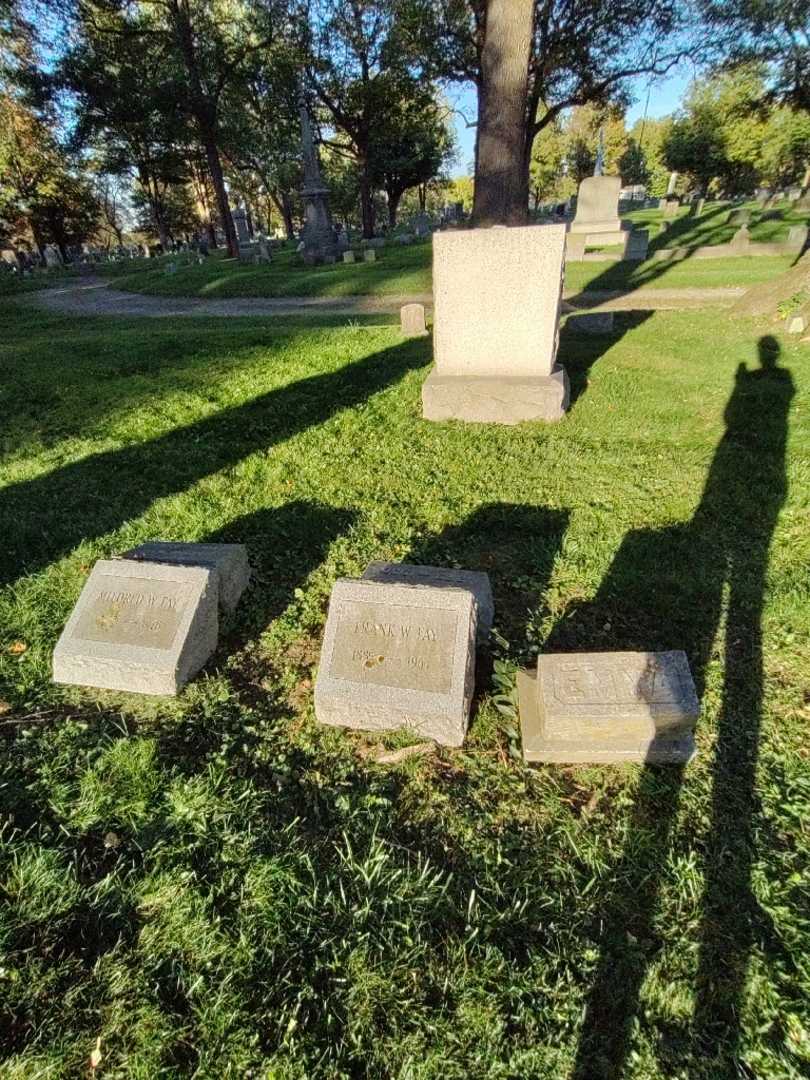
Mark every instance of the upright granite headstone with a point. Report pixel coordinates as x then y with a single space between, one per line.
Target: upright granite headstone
636 245
497 296
607 707
739 217
797 237
598 208
348 257
142 627
229 560
575 244
442 577
398 656
412 320
240 223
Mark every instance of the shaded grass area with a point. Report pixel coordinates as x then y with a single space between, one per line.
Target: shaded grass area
406 271
215 885
712 226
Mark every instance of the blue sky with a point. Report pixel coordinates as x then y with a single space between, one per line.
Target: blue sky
665 97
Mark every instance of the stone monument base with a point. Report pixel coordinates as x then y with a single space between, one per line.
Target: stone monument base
596 228
495 399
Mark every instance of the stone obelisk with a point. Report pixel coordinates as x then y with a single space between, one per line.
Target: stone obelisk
318 235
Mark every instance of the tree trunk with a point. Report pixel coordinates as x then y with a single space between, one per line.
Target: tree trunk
394 198
283 204
366 203
502 176
218 182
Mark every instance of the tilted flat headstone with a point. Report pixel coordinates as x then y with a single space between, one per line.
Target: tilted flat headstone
398 656
497 295
412 320
606 707
442 577
137 626
229 560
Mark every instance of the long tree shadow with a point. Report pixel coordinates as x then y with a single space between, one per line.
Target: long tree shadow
45 518
665 589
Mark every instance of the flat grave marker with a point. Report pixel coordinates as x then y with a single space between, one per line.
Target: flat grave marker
139 626
398 656
607 707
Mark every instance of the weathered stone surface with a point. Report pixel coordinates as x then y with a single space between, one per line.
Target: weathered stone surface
497 296
593 322
636 244
739 217
143 627
797 324
598 205
398 656
370 255
741 238
412 320
575 244
441 577
601 707
797 236
490 400
671 207
348 256
229 560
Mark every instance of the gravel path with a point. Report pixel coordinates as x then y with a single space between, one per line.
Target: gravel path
93 297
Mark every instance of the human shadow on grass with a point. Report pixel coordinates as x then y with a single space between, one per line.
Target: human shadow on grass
665 590
45 518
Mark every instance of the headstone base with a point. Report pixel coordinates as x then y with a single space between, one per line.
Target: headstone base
596 228
496 399
677 748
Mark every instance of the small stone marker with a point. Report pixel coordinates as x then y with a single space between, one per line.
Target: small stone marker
348 256
441 577
575 244
229 560
412 320
598 206
606 707
636 244
671 206
741 239
370 255
138 626
398 656
797 237
797 325
739 217
593 322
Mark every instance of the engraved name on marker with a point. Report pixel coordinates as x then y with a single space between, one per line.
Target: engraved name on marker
130 611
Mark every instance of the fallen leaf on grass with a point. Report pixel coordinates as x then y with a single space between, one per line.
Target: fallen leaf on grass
17 648
395 756
4 707
95 1055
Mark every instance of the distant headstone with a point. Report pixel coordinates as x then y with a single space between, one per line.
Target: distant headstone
592 322
441 577
265 253
598 206
398 656
741 238
412 320
636 245
137 626
575 244
329 260
797 236
404 239
740 216
229 560
348 256
608 707
797 324
497 296
370 255
241 225
421 225
671 205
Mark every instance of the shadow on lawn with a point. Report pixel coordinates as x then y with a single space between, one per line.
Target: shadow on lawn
665 589
45 518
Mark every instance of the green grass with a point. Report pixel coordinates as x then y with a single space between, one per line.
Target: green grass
406 271
215 886
712 227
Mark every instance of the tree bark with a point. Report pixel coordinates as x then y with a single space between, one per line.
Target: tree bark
284 207
394 198
366 202
502 175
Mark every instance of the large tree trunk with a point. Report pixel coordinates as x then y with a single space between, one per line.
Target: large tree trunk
394 198
502 177
284 206
366 203
204 111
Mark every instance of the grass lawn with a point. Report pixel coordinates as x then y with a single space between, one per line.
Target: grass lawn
403 271
215 886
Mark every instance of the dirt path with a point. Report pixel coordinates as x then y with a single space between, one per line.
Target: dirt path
92 296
